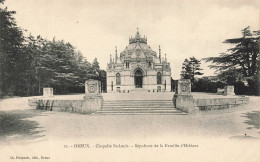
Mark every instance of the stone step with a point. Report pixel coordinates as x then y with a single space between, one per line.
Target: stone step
139 90
171 103
145 104
137 102
108 101
169 113
139 106
127 102
134 105
141 113
137 109
130 107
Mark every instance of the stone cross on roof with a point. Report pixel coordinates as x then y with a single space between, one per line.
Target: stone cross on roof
137 32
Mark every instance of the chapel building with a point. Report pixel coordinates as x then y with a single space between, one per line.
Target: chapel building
138 68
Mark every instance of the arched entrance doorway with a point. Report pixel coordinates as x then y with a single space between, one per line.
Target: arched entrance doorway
138 79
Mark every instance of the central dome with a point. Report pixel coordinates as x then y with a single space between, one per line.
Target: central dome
137 43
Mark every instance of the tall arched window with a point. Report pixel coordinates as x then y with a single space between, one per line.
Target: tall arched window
127 65
159 78
118 79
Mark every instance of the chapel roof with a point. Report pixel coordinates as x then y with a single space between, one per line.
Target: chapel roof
138 42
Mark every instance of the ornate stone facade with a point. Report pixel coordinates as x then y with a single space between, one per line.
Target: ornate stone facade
183 86
93 100
138 67
92 87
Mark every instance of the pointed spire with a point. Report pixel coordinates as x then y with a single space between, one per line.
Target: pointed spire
160 54
137 36
110 58
116 55
165 58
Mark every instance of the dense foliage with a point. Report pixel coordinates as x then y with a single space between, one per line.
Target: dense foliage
241 60
191 68
11 40
27 64
206 85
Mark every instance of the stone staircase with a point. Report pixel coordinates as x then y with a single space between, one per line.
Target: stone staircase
135 107
138 90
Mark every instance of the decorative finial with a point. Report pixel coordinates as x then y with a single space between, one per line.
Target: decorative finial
116 55
137 32
165 58
160 54
110 58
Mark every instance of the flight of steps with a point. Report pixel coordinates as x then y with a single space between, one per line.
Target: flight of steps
129 107
138 90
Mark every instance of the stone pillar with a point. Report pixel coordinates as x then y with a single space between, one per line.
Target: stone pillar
93 98
183 87
229 90
182 99
48 92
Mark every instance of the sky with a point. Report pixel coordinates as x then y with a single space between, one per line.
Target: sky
183 28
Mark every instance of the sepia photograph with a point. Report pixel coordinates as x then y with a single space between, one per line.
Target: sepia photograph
129 80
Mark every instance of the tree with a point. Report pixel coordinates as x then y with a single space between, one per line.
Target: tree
95 67
102 78
185 73
191 68
11 57
28 64
173 84
57 64
206 85
258 77
242 58
33 50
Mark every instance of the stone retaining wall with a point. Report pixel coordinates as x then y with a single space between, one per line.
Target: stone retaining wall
186 104
220 103
189 105
76 106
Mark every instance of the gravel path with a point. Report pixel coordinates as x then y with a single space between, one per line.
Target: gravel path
226 123
20 125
